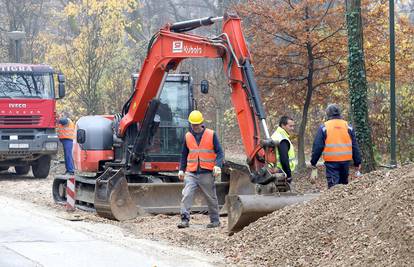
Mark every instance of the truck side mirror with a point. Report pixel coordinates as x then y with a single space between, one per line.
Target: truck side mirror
204 86
80 136
61 86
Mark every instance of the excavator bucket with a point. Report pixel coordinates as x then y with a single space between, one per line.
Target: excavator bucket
247 202
245 209
112 198
239 183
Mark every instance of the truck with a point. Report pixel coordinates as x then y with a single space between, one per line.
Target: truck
28 117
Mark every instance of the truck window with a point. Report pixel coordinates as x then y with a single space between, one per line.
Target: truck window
26 85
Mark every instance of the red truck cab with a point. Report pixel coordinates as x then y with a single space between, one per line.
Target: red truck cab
28 117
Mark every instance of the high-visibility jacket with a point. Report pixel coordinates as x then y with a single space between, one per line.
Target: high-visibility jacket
202 153
66 131
279 135
338 143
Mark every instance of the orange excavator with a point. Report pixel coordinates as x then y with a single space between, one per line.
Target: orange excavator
118 145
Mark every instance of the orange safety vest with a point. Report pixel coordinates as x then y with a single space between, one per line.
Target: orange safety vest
338 143
202 153
66 131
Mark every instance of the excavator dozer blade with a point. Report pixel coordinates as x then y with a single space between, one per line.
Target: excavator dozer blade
165 198
245 209
112 198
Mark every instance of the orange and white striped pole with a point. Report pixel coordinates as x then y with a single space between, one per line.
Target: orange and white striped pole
70 194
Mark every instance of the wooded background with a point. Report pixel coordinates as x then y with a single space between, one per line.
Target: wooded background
299 50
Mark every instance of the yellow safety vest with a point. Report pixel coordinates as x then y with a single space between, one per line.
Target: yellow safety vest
279 135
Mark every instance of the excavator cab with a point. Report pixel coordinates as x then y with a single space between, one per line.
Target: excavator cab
176 102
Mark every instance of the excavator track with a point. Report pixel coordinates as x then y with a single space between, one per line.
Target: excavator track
112 198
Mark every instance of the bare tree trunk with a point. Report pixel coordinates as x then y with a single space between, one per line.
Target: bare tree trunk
305 111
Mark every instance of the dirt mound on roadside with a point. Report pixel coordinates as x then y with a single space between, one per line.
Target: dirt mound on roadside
368 222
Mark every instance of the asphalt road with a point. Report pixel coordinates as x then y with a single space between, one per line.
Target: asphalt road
34 236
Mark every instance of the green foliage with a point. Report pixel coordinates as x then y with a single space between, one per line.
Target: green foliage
377 155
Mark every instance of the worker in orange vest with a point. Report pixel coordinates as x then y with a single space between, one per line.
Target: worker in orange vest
66 134
336 142
201 161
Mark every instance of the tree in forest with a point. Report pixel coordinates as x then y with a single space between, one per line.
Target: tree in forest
358 83
93 55
376 51
28 16
299 51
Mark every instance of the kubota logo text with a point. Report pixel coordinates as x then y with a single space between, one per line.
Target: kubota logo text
179 47
14 105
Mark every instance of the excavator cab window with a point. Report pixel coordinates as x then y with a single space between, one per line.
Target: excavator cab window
173 111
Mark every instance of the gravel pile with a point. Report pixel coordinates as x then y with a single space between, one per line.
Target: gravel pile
369 222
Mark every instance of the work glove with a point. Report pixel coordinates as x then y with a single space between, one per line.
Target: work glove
181 175
314 174
216 171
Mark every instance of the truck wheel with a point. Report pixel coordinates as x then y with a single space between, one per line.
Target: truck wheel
22 170
41 168
59 191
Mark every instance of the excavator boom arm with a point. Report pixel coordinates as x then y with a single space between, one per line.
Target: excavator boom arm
171 45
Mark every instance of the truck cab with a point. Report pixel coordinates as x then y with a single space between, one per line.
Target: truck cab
28 117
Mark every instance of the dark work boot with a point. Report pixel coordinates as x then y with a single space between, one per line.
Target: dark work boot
213 224
183 224
185 221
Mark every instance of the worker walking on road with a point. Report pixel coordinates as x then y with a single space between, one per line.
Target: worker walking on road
336 142
66 134
201 161
286 152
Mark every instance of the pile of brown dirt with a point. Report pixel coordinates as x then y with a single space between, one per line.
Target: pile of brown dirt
368 222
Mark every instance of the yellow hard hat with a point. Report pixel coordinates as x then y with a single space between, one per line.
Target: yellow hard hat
195 117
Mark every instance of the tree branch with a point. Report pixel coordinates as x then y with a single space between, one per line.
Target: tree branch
329 82
327 37
323 16
327 66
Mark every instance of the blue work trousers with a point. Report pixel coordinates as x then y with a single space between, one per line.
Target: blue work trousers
337 172
67 151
